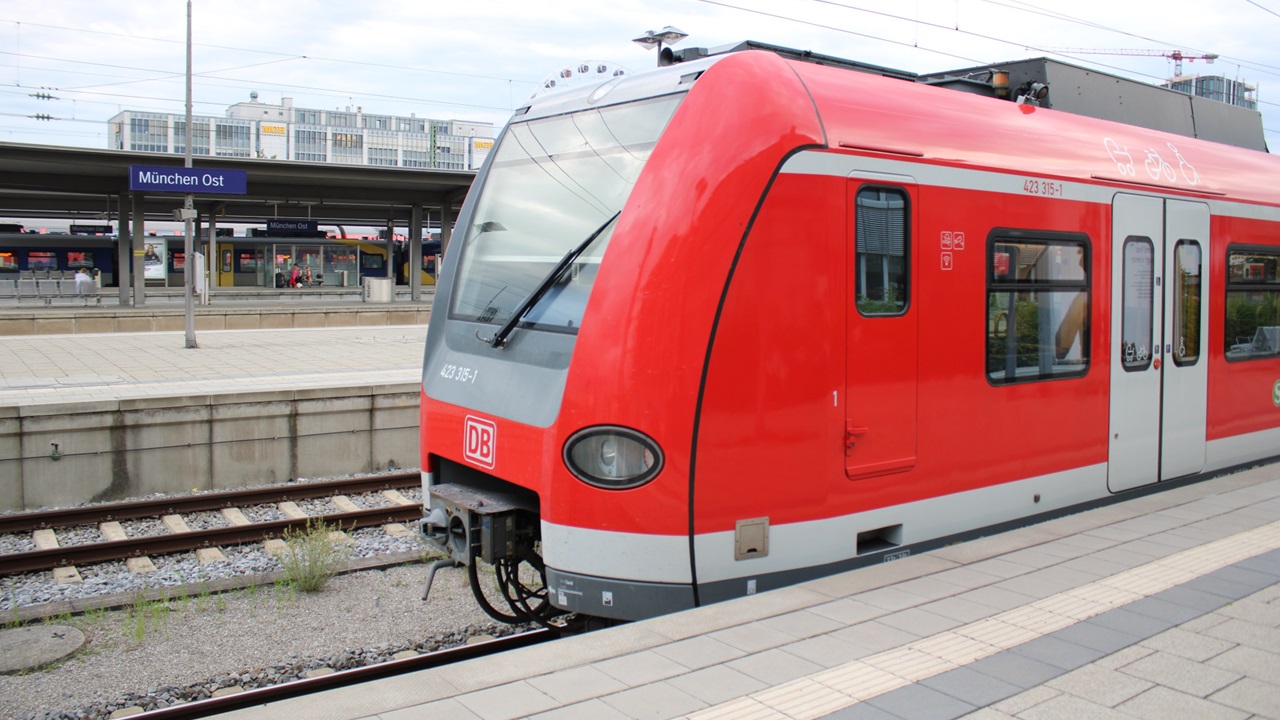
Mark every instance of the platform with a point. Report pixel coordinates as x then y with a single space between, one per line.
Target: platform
92 417
1163 606
52 369
229 309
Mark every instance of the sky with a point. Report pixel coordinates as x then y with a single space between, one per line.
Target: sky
80 62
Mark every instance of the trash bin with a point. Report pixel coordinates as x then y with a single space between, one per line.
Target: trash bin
377 290
344 279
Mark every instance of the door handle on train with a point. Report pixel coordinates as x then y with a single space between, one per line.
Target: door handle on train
851 436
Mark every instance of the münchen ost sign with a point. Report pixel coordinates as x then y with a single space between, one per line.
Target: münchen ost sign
187 180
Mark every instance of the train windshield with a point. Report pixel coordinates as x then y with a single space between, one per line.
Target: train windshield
551 184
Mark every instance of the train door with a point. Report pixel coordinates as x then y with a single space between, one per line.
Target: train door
1159 379
882 332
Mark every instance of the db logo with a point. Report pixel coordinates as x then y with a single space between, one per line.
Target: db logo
479 442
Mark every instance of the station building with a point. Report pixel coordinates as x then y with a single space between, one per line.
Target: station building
256 129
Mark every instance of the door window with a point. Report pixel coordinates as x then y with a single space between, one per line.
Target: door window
1139 298
1186 303
881 251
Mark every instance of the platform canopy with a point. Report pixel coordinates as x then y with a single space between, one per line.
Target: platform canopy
88 185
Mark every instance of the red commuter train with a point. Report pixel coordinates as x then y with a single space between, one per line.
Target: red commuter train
746 321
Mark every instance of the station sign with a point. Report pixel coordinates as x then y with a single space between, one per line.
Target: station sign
290 226
150 178
91 229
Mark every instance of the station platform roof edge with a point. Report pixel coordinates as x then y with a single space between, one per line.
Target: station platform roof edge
86 184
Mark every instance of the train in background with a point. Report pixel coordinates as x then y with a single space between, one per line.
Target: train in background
240 261
748 320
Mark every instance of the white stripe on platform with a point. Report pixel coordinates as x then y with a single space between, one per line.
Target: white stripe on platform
830 690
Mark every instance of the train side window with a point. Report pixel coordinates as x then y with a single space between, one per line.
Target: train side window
880 227
1037 306
8 262
42 260
1252 324
77 259
1186 303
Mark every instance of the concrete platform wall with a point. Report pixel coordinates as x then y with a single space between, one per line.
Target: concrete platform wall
75 321
64 454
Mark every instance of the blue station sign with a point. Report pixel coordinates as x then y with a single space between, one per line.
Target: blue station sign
286 226
149 178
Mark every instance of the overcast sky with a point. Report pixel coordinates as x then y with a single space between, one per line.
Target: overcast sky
479 59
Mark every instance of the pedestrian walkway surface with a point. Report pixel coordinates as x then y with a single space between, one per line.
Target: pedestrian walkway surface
43 369
1163 606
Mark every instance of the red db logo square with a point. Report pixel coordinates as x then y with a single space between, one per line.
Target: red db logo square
479 442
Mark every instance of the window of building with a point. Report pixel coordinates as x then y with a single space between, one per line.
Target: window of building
310 145
382 156
880 228
8 262
1252 325
149 132
1037 306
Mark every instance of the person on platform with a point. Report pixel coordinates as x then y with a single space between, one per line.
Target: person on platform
293 276
306 277
83 281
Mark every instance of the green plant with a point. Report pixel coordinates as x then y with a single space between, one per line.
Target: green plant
284 592
202 603
146 615
313 557
14 620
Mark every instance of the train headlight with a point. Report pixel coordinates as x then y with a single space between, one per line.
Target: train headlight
612 458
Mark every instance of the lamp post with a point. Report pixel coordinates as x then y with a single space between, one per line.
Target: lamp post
650 39
188 212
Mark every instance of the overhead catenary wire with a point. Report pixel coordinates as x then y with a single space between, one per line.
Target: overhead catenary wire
211 79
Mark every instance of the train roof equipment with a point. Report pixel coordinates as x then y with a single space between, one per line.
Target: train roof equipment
1060 86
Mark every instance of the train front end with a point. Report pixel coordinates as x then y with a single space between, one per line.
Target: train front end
569 331
526 259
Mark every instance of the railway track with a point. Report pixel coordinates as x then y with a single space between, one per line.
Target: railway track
117 545
299 688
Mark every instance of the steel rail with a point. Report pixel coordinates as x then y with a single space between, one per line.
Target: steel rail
345 678
13 563
26 522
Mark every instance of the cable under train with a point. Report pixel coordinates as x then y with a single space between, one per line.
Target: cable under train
746 321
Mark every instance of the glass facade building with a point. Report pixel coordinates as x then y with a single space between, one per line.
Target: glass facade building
1217 87
283 132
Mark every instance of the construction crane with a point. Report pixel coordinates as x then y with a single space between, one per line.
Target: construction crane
1176 55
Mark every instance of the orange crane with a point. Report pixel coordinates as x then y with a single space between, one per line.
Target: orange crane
1176 55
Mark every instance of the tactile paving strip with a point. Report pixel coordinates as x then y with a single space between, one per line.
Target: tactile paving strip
831 690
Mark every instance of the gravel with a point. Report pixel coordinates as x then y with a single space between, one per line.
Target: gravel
152 655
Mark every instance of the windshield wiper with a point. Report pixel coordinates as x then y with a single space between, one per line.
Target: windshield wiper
499 338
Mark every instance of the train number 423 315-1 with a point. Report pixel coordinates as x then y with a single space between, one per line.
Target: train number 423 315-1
1047 188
